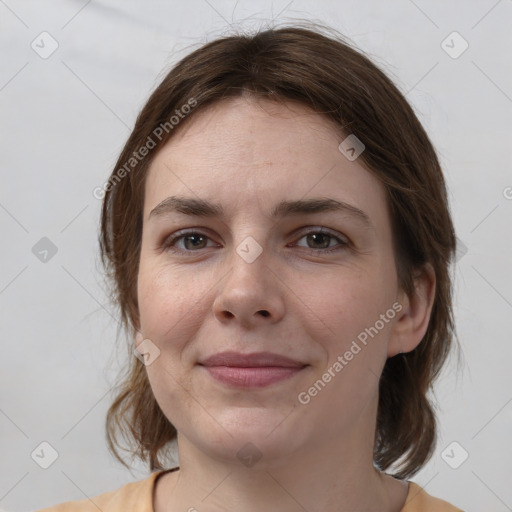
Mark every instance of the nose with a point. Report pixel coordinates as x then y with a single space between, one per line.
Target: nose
250 293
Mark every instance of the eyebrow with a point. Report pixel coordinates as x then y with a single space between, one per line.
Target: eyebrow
202 208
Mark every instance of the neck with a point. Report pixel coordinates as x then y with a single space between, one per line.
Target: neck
334 473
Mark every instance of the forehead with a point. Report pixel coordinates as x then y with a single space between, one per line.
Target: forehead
244 129
245 151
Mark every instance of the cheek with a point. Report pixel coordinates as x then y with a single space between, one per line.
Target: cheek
350 308
172 309
349 300
168 318
164 300
355 345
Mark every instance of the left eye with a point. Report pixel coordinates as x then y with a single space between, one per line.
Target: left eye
323 239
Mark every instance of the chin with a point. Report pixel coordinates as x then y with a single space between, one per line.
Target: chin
251 436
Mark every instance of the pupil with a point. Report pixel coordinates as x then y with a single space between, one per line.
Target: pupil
196 237
315 237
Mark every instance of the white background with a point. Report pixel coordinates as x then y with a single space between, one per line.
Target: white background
64 120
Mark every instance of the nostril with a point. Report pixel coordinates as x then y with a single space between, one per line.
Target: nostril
264 312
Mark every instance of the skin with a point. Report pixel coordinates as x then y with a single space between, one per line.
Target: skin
248 155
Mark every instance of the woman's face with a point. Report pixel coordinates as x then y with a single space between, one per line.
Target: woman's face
257 276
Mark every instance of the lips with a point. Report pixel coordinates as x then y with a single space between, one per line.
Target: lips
256 360
250 370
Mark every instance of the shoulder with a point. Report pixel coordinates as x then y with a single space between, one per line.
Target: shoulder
133 496
418 500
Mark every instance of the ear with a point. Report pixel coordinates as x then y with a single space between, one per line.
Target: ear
412 321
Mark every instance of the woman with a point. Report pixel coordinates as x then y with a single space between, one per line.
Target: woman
279 240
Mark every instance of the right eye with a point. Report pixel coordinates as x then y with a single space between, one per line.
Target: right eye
192 240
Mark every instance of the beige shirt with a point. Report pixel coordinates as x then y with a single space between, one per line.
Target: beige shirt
138 496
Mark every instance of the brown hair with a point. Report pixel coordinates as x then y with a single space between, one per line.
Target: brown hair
325 73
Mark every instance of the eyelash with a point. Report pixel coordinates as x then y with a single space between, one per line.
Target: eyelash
169 243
